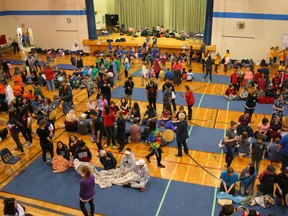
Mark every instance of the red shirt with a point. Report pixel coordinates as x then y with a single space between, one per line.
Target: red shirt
256 77
108 120
276 82
177 66
234 78
230 92
189 98
49 74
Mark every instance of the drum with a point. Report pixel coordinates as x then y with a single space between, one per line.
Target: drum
168 135
223 202
52 115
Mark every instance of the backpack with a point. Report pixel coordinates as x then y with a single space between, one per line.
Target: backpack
3 133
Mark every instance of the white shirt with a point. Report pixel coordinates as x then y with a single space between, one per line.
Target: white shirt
9 94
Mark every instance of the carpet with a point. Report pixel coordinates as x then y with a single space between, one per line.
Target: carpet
208 101
64 66
15 62
220 79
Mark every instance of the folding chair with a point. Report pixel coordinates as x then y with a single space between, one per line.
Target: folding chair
8 158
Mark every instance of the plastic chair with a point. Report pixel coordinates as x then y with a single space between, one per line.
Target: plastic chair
8 158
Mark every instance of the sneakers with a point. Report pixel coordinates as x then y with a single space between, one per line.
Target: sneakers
114 147
161 166
148 159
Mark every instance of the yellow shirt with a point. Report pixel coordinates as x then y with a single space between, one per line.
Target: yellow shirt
271 54
227 55
281 56
276 53
216 60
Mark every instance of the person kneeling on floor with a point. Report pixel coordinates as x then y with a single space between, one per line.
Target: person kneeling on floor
143 176
107 159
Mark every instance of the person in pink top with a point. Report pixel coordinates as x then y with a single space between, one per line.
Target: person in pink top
263 127
157 67
177 67
49 74
248 77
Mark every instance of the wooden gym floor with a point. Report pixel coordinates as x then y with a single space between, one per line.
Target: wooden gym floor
181 169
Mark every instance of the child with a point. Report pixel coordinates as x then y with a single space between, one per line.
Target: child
144 73
258 150
190 76
184 74
216 62
243 94
101 103
17 89
162 74
230 93
121 126
166 114
273 154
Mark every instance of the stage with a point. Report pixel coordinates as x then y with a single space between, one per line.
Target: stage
164 44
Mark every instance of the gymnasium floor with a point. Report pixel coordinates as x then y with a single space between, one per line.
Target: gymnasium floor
181 169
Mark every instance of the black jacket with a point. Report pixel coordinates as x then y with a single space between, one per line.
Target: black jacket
182 131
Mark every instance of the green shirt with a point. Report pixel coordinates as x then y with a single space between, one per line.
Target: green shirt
118 64
94 73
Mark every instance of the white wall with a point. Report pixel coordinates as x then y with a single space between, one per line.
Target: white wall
103 7
48 31
263 33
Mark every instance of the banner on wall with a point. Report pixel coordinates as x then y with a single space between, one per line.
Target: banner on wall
285 41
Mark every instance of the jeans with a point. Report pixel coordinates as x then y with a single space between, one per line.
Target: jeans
210 74
248 82
84 210
110 132
16 139
66 107
27 133
50 85
257 164
47 147
246 187
229 156
152 102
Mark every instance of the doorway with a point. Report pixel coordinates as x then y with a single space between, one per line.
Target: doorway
25 38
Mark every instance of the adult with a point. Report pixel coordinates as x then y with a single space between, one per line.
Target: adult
182 135
143 176
128 86
12 207
105 84
121 126
282 187
9 94
251 102
170 85
157 67
208 64
152 93
190 100
135 132
227 59
74 143
49 75
230 142
191 53
87 191
258 150
71 121
228 210
108 122
155 141
244 124
63 150
79 62
167 97
107 159
273 154
267 181
229 179
283 148
110 49
15 46
97 129
247 179
45 139
177 67
83 125
275 127
65 93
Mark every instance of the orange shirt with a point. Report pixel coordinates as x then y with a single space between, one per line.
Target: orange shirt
17 90
27 95
18 79
2 89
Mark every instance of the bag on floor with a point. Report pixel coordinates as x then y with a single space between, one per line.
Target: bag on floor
264 201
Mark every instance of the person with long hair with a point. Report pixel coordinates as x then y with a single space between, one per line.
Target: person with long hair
251 102
108 122
45 139
177 67
247 179
87 191
121 126
155 141
208 64
73 143
243 144
189 96
135 113
63 150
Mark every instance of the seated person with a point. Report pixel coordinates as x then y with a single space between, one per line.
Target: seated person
275 127
263 127
74 143
166 114
245 124
134 113
91 105
284 129
243 144
243 94
145 133
267 179
143 176
151 115
124 106
183 74
107 159
282 186
71 120
113 107
273 154
247 179
63 150
60 164
230 93
229 179
12 207
135 132
190 76
161 130
127 163
83 153
83 126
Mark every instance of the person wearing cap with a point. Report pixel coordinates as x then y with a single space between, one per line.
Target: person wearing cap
83 153
143 176
229 178
127 163
97 129
230 142
107 159
283 149
282 187
258 150
83 126
267 180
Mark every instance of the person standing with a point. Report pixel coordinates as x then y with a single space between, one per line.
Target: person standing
152 93
208 64
110 49
87 191
191 53
121 126
15 46
177 67
45 139
251 102
118 67
216 62
65 93
282 187
9 94
230 142
97 129
79 62
167 96
190 100
108 122
258 150
155 141
182 135
157 67
73 60
128 86
49 74
283 149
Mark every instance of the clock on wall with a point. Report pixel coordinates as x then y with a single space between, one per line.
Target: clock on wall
68 20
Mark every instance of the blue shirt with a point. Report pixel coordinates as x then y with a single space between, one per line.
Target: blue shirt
229 180
169 75
273 153
284 144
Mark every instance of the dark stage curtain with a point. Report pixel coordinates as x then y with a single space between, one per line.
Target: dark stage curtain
208 22
91 19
